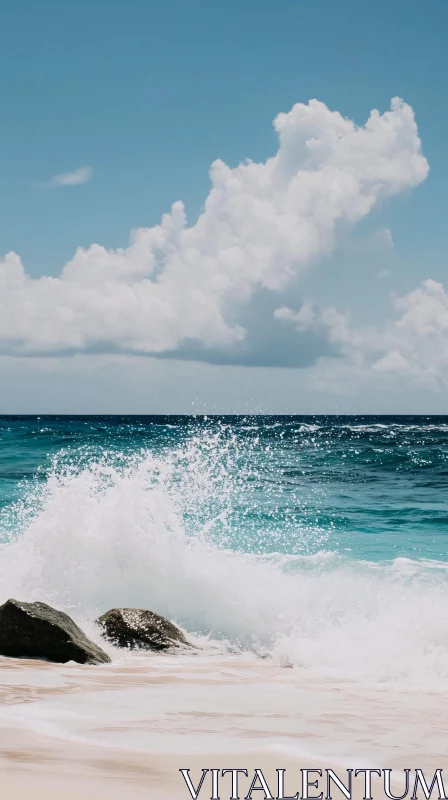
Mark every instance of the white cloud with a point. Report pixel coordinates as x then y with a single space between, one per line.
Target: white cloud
415 344
262 226
78 176
392 362
425 310
310 317
420 335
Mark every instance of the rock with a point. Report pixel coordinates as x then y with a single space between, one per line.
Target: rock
138 629
35 630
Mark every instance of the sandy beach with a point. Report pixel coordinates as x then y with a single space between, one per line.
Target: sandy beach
126 729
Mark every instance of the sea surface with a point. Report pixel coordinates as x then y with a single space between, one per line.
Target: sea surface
300 553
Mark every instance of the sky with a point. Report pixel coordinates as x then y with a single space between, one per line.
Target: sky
223 207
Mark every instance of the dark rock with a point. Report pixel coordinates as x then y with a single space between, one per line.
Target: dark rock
35 630
138 629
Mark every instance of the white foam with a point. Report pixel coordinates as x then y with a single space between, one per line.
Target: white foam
99 536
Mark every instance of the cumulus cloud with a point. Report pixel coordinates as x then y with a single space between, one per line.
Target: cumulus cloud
418 341
393 362
78 176
262 226
414 344
310 317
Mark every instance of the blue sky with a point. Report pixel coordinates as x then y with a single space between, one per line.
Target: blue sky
148 94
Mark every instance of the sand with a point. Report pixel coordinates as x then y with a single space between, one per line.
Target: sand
124 730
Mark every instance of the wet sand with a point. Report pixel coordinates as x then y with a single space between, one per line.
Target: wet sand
125 729
138 780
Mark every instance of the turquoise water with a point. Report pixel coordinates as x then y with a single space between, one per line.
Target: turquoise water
319 542
367 487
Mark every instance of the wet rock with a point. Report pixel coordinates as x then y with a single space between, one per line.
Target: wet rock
35 630
136 628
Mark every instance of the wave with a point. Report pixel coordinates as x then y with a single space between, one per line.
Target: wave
98 533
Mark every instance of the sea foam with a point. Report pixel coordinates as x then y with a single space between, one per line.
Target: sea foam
142 531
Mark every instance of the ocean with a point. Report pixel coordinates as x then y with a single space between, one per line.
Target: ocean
307 557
